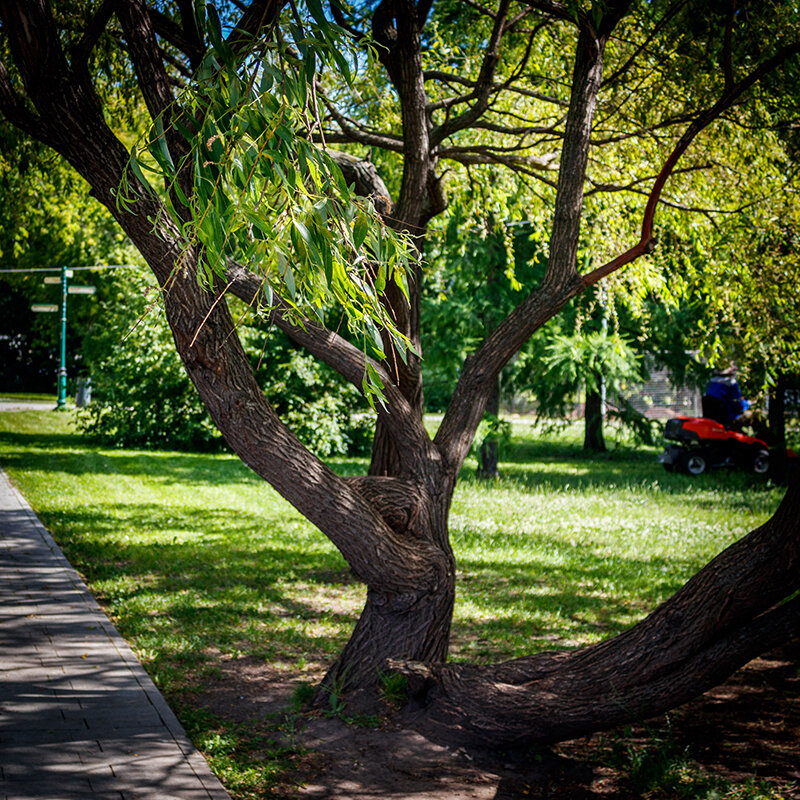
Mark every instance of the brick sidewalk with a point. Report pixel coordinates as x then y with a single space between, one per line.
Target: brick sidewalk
79 717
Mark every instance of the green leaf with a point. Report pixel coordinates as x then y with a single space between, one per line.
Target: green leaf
267 78
137 171
288 277
315 7
214 27
360 230
161 141
380 279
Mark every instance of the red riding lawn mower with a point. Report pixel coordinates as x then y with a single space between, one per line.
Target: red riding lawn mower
701 444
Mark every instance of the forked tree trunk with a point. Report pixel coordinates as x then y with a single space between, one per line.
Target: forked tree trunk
391 527
411 618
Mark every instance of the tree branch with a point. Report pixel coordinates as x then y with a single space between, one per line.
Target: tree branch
668 15
446 77
646 241
356 133
559 11
487 12
335 351
338 18
259 15
92 33
145 54
531 165
366 182
188 43
599 187
483 85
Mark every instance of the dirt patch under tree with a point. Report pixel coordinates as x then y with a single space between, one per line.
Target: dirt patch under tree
741 736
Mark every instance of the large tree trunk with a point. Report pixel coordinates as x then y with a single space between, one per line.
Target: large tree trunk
409 619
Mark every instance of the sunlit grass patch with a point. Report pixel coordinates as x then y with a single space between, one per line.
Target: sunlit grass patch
31 397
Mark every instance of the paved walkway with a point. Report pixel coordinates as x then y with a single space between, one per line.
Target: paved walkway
79 717
8 404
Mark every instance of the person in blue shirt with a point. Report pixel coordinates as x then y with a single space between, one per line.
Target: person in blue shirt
723 400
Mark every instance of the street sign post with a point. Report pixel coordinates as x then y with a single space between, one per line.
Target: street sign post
66 289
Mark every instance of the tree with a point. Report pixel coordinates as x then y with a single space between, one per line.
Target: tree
597 362
391 525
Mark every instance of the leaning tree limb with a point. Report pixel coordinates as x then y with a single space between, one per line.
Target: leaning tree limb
734 609
562 281
404 425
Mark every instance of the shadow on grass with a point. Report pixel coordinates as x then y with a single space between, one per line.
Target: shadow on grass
42 440
538 605
237 583
163 468
636 474
68 454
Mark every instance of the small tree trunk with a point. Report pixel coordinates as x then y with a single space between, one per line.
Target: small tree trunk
488 454
593 417
777 429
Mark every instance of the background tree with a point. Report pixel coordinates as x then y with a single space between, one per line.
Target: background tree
231 150
595 363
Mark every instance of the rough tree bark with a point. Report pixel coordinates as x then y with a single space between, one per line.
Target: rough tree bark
391 525
593 419
728 613
489 455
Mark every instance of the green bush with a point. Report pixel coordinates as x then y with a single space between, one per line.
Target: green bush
312 399
141 396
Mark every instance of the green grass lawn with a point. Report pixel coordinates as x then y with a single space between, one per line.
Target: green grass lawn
196 559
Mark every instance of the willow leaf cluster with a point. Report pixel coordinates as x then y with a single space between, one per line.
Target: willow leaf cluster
254 184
